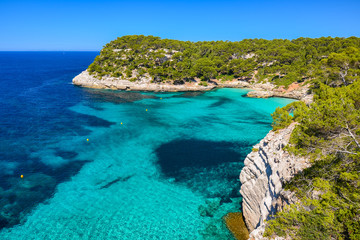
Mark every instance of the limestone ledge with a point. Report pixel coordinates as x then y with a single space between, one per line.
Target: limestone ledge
266 169
262 90
295 91
84 79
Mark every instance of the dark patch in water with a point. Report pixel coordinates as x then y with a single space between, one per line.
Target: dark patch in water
190 94
211 168
116 96
35 101
119 179
97 122
66 154
94 106
260 122
194 153
64 173
253 122
221 101
18 196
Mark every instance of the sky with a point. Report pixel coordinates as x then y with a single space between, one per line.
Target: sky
88 25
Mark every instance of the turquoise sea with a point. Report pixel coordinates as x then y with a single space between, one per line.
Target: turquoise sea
100 164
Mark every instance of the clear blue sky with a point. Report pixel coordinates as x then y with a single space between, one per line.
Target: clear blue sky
90 24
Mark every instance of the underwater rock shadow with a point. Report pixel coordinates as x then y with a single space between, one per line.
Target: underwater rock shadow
208 167
119 179
20 195
194 153
189 94
220 102
114 96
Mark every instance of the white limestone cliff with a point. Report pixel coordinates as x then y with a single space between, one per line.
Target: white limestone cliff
262 90
266 169
84 79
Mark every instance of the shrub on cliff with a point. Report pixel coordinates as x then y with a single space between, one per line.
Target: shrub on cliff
281 118
329 191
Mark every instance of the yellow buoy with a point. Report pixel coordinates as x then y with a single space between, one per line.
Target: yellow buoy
87 139
121 123
146 109
22 176
161 98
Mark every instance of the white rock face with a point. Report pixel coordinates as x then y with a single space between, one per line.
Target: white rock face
260 94
266 90
263 176
262 90
84 79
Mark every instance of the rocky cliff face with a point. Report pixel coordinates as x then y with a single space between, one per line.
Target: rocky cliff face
298 91
266 169
84 79
262 90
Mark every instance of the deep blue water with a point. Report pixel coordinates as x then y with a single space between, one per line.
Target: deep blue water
35 96
151 165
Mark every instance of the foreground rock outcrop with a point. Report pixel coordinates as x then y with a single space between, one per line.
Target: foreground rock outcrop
266 169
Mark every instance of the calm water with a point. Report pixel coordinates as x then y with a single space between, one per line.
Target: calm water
102 164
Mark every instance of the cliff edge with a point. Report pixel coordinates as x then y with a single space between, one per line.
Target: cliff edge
266 169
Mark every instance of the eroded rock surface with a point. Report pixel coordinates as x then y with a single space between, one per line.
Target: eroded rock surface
266 169
262 90
84 79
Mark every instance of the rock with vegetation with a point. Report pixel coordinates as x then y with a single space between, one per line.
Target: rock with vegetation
329 191
149 63
323 200
266 170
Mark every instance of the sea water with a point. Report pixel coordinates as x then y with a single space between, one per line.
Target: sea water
101 164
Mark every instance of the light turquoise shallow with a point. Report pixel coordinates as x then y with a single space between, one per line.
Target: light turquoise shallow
121 193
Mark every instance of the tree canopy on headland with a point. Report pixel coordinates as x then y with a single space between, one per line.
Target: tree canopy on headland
280 61
328 132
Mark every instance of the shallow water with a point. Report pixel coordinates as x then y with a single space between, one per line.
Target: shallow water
156 166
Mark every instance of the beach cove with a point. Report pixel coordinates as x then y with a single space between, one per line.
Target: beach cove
155 165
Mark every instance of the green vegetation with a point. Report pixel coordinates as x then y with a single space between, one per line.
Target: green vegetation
328 132
255 149
280 61
281 118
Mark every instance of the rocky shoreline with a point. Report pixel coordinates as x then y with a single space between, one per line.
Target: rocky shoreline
84 79
260 90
